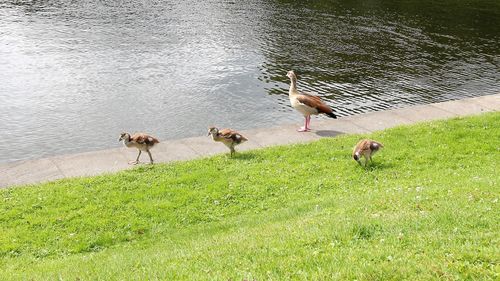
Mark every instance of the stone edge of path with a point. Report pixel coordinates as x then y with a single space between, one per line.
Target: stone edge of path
113 160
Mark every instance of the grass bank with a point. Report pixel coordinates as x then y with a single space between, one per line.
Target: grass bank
427 209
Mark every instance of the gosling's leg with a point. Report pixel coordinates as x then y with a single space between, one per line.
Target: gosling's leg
136 160
150 157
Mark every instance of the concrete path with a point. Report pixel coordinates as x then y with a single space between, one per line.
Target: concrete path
112 160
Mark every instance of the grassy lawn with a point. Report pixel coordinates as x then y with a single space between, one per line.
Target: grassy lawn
427 209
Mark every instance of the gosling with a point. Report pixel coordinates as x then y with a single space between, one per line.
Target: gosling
228 137
366 148
141 141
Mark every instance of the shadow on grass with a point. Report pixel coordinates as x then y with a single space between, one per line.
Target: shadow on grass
142 167
372 166
328 133
243 156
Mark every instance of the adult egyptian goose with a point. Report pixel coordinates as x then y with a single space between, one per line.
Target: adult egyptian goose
306 104
141 141
228 137
365 148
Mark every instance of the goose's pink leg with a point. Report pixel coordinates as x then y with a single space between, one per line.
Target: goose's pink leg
303 129
308 123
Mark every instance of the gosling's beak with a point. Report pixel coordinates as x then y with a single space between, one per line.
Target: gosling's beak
208 134
120 139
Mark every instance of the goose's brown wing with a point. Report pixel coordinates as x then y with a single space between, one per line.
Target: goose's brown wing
314 102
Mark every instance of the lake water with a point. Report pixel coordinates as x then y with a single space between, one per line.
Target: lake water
74 74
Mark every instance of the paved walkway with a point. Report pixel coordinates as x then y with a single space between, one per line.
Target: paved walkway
112 160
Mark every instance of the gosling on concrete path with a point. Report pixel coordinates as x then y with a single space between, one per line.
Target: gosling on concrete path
141 141
228 137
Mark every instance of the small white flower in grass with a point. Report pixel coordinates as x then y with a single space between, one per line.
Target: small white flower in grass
495 200
390 258
419 188
216 202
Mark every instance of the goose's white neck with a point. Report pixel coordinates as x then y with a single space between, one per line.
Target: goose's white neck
293 87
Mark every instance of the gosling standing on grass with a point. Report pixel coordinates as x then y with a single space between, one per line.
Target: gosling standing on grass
228 137
365 148
141 141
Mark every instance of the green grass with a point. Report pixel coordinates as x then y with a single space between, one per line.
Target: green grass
427 209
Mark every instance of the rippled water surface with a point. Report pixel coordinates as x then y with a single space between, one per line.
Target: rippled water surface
74 74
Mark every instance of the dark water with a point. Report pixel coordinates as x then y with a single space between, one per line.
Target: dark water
74 74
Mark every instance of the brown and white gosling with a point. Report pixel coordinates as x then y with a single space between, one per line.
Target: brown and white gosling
306 104
365 148
141 141
228 137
